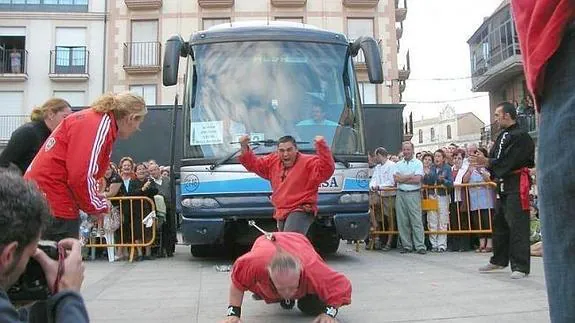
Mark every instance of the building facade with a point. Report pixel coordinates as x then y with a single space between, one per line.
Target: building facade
497 68
138 29
434 133
49 48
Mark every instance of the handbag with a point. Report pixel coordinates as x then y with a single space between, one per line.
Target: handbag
112 220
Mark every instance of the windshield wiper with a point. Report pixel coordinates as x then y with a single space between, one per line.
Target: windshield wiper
341 160
337 159
256 144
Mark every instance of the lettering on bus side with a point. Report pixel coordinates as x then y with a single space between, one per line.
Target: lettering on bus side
333 184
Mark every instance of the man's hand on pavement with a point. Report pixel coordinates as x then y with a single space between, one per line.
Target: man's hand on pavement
324 318
73 275
231 319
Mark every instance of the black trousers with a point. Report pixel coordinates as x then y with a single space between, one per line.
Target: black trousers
311 305
511 234
58 229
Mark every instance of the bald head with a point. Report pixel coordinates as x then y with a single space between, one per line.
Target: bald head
285 270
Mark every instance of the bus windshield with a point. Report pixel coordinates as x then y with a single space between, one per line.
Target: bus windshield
269 89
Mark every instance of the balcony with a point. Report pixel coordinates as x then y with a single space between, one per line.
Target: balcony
142 57
288 3
400 11
403 73
13 65
216 4
495 53
359 60
44 5
527 122
10 123
69 64
143 4
399 31
360 4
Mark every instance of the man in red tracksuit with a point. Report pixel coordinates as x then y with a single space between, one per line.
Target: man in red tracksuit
77 154
294 177
285 269
546 30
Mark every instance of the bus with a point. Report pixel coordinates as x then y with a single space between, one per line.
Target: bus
268 79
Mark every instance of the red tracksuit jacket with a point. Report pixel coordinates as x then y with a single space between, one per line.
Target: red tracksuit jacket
299 185
250 271
71 161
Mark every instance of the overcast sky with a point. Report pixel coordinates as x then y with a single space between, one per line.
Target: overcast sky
436 34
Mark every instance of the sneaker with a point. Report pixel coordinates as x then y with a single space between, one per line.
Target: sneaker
490 267
518 275
405 250
287 304
422 251
386 248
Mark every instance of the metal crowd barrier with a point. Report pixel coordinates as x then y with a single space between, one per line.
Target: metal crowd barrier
459 224
126 223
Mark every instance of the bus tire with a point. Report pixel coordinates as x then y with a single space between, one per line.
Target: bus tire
203 250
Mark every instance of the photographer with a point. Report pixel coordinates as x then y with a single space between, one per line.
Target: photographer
23 214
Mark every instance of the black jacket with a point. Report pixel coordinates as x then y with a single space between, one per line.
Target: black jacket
24 143
63 307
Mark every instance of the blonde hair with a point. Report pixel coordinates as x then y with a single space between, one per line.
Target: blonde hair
53 105
282 262
121 105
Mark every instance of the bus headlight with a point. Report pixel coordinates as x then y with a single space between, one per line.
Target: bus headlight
200 203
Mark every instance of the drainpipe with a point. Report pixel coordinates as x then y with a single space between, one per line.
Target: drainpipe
104 45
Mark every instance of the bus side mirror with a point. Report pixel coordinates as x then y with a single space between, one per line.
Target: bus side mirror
372 56
175 47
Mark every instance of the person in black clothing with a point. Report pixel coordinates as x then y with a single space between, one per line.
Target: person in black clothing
23 214
509 161
27 140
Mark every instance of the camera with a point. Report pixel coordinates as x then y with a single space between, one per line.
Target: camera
32 285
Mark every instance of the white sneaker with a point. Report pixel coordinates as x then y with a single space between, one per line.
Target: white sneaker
490 267
518 275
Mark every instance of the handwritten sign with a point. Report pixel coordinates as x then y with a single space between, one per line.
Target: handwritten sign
207 133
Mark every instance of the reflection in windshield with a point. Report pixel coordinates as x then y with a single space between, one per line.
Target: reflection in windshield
269 90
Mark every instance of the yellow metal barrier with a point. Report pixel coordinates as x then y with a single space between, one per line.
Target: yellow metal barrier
463 222
131 231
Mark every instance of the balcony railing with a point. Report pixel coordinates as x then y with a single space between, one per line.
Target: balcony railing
142 57
143 4
14 64
10 123
72 62
400 10
360 3
527 122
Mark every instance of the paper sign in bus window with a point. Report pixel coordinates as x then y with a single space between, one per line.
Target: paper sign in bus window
207 133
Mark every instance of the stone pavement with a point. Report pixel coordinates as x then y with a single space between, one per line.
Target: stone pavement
387 287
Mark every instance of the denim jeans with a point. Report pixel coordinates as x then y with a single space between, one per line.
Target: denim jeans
556 180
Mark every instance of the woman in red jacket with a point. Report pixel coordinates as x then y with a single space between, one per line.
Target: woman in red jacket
77 154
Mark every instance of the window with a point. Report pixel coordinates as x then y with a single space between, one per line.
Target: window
148 92
144 48
420 134
368 93
13 50
70 55
357 27
432 134
75 98
12 111
448 131
292 19
210 22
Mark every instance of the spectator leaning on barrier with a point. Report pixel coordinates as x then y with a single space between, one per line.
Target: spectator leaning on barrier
23 213
408 176
509 161
77 154
438 220
382 202
28 138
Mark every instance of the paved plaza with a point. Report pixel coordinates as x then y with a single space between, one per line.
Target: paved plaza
387 287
